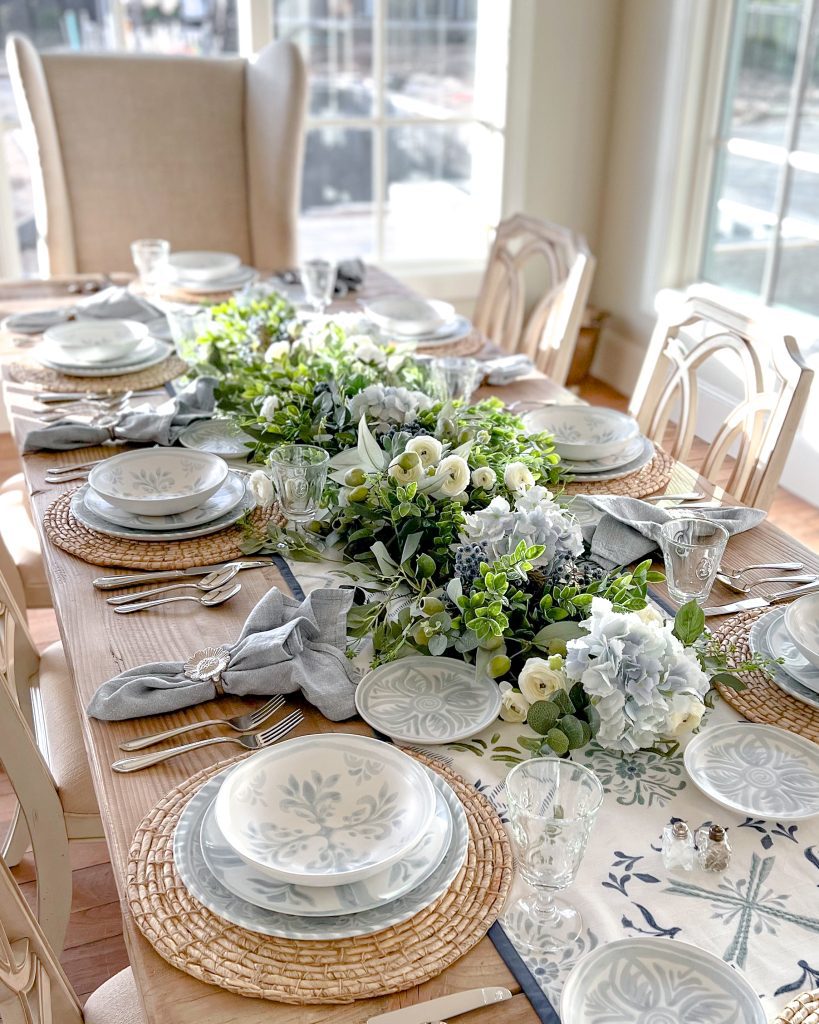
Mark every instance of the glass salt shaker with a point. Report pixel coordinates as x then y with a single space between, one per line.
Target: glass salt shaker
678 846
713 849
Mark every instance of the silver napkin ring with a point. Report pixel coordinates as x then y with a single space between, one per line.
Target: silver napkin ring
208 665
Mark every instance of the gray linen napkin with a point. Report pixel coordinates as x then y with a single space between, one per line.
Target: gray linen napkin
117 303
630 528
285 646
161 425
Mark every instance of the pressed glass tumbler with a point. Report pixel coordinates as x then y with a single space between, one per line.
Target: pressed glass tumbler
318 278
459 376
692 549
150 256
299 473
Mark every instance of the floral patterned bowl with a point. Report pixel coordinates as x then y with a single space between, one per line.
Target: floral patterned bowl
802 621
159 481
325 810
584 432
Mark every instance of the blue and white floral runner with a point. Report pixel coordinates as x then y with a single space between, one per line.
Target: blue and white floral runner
761 915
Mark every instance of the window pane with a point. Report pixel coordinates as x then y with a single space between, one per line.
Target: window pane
798 269
190 26
442 190
337 42
338 217
808 138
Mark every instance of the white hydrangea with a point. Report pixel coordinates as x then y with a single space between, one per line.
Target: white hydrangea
643 684
385 407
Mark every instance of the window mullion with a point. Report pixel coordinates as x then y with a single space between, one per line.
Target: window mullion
379 129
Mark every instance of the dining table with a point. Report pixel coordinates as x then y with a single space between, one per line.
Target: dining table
99 644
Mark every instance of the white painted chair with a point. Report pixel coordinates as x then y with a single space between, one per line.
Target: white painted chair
548 334
758 433
21 558
43 755
33 985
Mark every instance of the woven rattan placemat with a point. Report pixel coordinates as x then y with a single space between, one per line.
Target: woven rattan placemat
467 346
152 377
210 948
804 1009
653 477
63 530
762 700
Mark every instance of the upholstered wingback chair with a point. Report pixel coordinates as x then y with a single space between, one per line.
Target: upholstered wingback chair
205 152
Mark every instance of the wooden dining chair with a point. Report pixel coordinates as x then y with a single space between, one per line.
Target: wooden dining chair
33 986
43 755
548 332
21 558
749 450
205 152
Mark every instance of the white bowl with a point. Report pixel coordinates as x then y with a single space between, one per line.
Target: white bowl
159 481
202 266
802 622
325 810
408 314
583 432
96 341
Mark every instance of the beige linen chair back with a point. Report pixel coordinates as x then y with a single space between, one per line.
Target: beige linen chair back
754 440
205 152
548 334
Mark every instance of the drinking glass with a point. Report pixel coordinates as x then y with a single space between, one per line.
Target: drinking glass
692 549
459 376
150 256
318 278
186 325
299 474
552 807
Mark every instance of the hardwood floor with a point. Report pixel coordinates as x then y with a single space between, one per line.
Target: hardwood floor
95 949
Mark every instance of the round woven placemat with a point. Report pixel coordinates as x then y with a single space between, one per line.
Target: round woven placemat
804 1009
152 377
762 700
63 530
467 346
654 476
212 949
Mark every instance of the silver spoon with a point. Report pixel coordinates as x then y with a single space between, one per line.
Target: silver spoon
745 588
213 581
209 600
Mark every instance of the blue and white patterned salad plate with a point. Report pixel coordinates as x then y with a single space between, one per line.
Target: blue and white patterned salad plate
583 432
756 769
429 700
657 981
325 810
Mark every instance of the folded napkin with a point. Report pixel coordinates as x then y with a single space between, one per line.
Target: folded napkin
117 303
505 369
285 646
630 528
161 425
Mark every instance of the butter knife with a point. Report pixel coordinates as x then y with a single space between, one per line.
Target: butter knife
761 602
444 1007
113 582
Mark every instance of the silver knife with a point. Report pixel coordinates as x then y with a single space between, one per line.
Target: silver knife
113 582
445 1006
761 602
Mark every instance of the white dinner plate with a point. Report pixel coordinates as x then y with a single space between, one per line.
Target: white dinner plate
224 283
220 437
632 451
408 315
83 359
217 505
662 980
796 676
646 455
190 864
98 524
246 882
756 769
425 699
447 334
203 265
156 352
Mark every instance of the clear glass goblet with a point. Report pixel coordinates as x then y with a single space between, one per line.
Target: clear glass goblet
318 278
299 475
692 549
459 376
552 804
150 256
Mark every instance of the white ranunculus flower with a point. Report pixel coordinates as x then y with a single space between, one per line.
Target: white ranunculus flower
484 477
455 471
540 678
406 468
261 487
684 714
428 448
276 351
366 350
268 407
651 616
514 706
518 477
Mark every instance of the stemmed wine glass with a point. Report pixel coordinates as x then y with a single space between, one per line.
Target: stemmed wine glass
318 278
552 804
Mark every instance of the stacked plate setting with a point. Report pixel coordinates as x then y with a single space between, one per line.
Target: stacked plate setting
412 320
322 837
161 494
792 634
594 443
204 272
100 348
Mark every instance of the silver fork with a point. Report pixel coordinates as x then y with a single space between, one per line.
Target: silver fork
256 741
240 723
745 588
735 574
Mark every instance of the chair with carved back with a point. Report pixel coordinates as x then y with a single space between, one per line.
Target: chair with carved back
548 333
43 755
33 985
749 450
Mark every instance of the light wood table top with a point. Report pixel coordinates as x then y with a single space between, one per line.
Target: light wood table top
99 644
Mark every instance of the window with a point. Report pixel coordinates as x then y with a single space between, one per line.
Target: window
763 229
404 143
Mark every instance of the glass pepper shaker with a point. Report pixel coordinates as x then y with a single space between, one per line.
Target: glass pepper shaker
678 846
713 849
